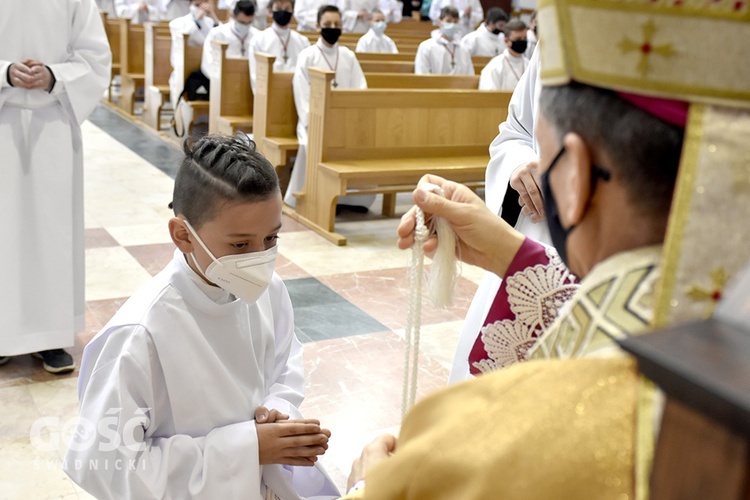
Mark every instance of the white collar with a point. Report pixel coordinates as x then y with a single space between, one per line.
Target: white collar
441 39
215 293
282 30
326 49
487 33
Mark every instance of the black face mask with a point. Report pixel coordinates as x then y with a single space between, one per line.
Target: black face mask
519 46
330 35
496 31
282 17
557 232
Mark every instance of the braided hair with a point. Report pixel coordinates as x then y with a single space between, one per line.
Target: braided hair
219 169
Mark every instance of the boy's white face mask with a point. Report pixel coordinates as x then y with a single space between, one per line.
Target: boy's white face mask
246 275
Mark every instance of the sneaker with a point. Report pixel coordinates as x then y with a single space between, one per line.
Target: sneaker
4 359
56 361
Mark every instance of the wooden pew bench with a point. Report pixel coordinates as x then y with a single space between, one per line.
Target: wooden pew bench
112 28
231 97
275 117
157 70
187 60
385 140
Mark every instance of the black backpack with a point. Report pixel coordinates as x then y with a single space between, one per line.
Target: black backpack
197 88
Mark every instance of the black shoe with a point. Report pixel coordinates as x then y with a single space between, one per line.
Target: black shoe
56 361
4 359
343 207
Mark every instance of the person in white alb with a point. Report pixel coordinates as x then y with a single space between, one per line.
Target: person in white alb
393 10
504 72
356 14
197 24
306 13
375 40
107 6
172 9
260 20
488 40
198 378
279 40
470 13
139 11
55 64
238 33
443 55
326 54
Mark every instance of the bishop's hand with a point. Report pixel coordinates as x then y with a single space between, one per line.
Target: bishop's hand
375 452
292 442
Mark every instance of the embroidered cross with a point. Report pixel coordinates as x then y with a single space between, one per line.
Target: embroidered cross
646 48
713 295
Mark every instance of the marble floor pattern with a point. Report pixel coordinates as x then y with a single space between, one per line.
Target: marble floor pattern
350 307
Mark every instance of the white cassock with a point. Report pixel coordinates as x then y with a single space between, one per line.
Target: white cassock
465 23
533 40
178 373
107 6
372 42
172 9
438 56
283 43
130 9
350 10
239 47
514 146
41 193
393 10
482 42
349 75
306 13
260 20
503 72
198 31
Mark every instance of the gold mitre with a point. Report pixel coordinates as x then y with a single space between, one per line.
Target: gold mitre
697 51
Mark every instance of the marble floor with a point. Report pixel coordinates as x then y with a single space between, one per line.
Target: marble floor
350 308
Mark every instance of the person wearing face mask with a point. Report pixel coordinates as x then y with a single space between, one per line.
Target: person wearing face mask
238 33
375 40
201 365
172 9
325 54
279 40
443 55
139 11
197 23
504 72
488 40
470 14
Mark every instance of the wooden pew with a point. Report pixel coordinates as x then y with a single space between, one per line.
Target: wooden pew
132 60
369 66
231 98
377 141
157 70
187 60
275 115
112 28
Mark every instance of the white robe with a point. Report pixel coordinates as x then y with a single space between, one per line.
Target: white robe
466 24
260 21
482 42
349 75
186 364
372 42
306 13
434 58
503 72
41 193
350 11
225 33
107 6
393 10
514 146
172 9
269 41
130 9
198 31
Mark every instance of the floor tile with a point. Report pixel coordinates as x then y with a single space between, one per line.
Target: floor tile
141 234
112 273
19 413
27 472
153 258
320 313
99 237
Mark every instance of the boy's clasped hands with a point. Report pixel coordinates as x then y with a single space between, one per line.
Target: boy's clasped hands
289 442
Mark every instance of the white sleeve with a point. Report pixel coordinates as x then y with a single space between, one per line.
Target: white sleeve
358 76
305 14
348 16
514 145
125 8
361 45
286 384
486 81
392 45
477 14
251 62
206 55
115 453
435 7
85 75
422 61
